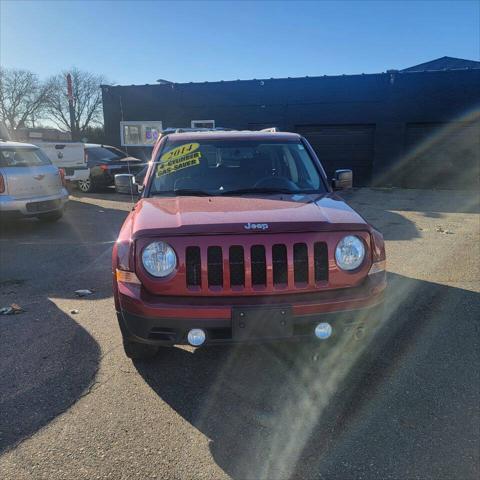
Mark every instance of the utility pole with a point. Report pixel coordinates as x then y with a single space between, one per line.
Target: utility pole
73 128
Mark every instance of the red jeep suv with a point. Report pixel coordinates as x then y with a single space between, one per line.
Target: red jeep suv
238 236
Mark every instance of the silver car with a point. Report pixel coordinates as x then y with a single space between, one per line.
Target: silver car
30 186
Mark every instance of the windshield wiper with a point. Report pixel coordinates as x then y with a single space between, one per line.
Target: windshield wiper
242 191
184 192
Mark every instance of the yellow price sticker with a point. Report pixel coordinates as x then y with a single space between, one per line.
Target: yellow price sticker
178 163
179 151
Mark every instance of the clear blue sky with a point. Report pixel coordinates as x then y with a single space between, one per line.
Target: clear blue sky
139 42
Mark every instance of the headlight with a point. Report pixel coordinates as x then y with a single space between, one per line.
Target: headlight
350 253
159 259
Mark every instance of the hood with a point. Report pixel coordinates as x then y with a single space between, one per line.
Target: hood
188 215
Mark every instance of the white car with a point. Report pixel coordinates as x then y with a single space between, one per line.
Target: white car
30 186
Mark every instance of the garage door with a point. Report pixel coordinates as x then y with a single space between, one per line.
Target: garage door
343 146
442 155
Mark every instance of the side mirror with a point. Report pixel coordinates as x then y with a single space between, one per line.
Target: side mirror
343 179
125 183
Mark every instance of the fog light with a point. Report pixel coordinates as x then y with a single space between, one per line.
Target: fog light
323 331
196 337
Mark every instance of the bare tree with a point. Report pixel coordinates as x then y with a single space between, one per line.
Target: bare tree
22 97
87 101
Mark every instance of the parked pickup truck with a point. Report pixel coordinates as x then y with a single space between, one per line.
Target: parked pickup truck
240 237
69 156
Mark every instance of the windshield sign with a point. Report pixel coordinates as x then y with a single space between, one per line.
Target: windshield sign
181 157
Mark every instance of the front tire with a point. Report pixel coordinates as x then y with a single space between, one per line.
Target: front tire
50 216
139 351
86 186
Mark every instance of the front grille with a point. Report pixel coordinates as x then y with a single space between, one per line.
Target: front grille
283 266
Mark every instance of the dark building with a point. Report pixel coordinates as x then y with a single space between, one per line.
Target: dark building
417 127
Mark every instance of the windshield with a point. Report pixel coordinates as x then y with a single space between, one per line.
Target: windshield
104 154
217 167
23 157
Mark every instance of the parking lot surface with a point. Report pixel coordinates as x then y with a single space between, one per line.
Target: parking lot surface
399 404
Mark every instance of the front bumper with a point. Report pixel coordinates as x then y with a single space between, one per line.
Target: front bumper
169 331
30 207
142 319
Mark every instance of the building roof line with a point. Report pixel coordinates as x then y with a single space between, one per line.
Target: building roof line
315 78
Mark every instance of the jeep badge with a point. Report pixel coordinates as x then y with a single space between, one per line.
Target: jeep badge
256 226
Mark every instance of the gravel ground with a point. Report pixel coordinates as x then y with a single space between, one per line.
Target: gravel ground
401 404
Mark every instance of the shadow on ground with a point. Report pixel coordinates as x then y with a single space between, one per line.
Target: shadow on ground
296 411
73 253
387 209
47 362
418 200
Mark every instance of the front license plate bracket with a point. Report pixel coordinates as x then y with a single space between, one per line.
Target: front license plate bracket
255 323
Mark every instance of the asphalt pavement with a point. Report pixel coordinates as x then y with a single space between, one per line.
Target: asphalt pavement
402 403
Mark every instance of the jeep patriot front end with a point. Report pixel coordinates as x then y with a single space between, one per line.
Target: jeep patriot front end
238 236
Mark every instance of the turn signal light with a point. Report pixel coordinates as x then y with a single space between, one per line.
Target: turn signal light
127 277
124 251
104 167
378 267
378 246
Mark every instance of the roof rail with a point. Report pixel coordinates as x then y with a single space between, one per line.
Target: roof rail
169 130
188 129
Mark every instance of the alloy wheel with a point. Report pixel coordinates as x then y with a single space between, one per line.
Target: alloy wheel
85 185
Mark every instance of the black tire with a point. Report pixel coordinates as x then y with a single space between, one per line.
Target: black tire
50 216
86 186
139 351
